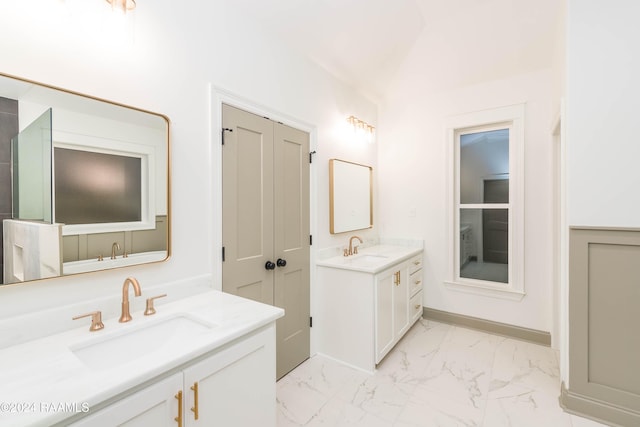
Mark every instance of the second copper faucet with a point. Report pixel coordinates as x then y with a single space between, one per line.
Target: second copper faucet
126 315
114 247
353 250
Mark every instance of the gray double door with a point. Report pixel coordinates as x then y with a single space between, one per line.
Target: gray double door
265 217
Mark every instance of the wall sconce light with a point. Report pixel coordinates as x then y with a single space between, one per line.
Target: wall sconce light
122 5
363 130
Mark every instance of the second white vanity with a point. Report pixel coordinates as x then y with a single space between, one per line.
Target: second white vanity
367 302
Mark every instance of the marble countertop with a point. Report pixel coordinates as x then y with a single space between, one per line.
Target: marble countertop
373 259
38 376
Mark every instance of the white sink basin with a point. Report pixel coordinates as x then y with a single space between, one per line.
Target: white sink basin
371 258
368 259
131 342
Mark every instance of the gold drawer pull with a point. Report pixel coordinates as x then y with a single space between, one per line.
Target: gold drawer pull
417 306
417 282
194 387
179 417
416 262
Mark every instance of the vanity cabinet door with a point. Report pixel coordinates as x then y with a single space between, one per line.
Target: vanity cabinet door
401 304
235 387
156 405
415 307
415 282
384 312
414 291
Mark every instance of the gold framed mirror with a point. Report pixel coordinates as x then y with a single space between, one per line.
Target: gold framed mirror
350 196
84 182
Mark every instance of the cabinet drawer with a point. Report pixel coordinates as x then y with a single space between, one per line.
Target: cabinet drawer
415 282
415 307
415 264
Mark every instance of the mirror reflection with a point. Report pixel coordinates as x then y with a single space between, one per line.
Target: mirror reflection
83 183
484 205
350 196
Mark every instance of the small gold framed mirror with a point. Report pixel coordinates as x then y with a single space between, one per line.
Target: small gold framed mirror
350 196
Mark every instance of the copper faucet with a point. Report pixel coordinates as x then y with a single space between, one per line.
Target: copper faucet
353 250
126 315
115 247
96 320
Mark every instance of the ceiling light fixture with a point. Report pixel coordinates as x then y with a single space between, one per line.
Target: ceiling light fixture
122 5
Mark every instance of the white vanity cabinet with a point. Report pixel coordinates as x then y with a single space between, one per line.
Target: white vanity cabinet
466 244
391 314
398 295
364 312
236 387
232 387
155 405
415 289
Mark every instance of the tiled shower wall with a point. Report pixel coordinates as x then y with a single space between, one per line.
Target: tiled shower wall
8 129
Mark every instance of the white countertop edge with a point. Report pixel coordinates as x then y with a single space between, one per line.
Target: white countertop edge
394 254
235 317
29 326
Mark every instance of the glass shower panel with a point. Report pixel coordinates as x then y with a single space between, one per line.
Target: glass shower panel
31 171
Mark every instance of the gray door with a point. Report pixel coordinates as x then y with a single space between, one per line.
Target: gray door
266 224
495 222
247 205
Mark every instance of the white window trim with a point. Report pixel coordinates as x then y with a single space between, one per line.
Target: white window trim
147 155
515 289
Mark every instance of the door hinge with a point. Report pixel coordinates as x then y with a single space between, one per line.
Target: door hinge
311 156
310 239
311 322
223 254
223 131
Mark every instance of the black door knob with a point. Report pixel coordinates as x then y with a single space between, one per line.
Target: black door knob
281 262
270 265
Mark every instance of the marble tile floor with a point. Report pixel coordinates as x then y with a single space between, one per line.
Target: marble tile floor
437 375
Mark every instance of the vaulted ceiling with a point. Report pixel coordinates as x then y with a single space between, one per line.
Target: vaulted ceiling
453 42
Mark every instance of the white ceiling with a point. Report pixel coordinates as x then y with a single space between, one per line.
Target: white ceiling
453 42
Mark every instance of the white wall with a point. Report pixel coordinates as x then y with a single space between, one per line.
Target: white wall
413 192
168 56
602 113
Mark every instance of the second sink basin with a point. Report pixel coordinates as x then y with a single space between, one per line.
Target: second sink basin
371 258
131 342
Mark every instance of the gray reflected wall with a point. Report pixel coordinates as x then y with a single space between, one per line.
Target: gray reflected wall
90 246
8 129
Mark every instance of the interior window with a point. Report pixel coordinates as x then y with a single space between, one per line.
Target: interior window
486 208
484 205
